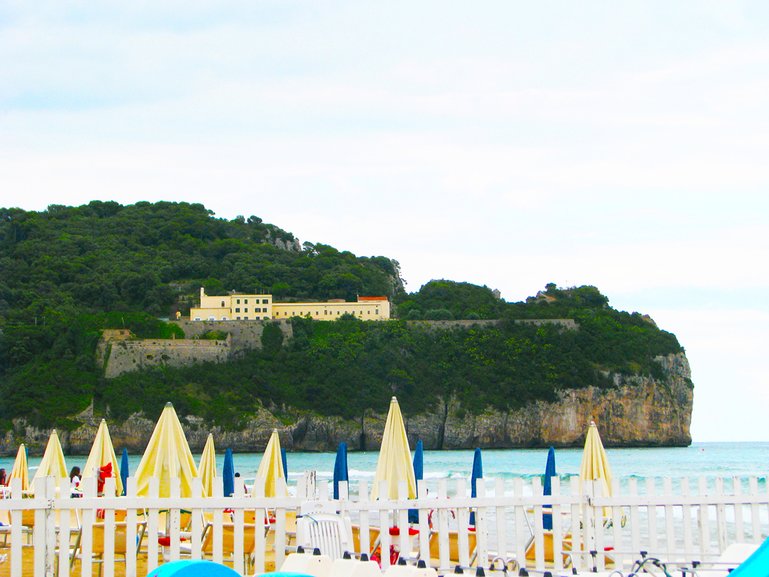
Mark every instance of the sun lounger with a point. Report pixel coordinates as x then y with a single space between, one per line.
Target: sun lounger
454 556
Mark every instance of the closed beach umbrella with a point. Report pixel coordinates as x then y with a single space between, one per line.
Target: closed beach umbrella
20 469
228 474
102 453
271 468
547 518
166 457
340 468
52 464
124 469
595 464
207 467
419 473
284 458
419 463
477 473
394 464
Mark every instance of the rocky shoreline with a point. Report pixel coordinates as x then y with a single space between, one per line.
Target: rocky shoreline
636 411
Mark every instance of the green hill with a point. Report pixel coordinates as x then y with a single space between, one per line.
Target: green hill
68 272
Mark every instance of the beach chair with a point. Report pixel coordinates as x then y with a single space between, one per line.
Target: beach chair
453 548
549 553
331 534
97 549
228 542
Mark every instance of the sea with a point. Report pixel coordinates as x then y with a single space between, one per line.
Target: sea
700 459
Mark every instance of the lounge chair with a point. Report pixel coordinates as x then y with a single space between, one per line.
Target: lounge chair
453 548
228 542
97 548
331 534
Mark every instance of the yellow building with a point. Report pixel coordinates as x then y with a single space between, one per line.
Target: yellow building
232 308
239 307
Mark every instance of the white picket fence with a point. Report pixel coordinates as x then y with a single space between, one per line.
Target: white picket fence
674 520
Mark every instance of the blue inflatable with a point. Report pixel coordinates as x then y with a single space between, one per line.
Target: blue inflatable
193 569
205 569
757 565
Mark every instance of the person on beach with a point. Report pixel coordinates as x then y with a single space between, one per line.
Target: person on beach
3 479
74 480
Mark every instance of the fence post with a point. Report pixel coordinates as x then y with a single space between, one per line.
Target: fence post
108 532
384 527
555 514
364 534
131 520
50 525
481 527
152 526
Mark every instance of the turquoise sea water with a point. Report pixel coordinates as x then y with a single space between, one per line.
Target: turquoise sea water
709 459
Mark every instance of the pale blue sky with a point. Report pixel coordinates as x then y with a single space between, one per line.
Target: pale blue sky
620 144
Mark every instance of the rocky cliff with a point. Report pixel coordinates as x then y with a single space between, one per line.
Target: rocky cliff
636 411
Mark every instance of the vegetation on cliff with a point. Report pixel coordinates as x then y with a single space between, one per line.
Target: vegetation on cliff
67 273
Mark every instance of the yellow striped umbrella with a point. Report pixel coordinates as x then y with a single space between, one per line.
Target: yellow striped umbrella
271 468
167 457
595 464
52 464
394 464
207 467
20 469
102 453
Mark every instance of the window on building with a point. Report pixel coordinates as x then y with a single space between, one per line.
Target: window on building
224 318
237 310
238 301
316 313
245 318
376 312
222 304
265 301
245 301
368 312
197 318
237 318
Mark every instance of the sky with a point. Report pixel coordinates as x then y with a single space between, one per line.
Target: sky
503 143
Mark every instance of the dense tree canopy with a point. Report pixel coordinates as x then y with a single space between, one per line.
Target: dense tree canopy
154 257
69 272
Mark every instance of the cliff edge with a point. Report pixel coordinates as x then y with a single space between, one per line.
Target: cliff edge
636 411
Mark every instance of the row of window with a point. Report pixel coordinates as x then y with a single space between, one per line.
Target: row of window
256 301
256 309
285 314
325 313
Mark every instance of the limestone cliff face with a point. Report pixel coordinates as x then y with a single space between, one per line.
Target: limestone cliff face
636 411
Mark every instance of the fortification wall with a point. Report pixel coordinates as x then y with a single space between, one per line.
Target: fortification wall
126 356
246 335
569 324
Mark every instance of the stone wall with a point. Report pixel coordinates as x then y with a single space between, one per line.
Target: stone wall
246 335
569 324
125 356
118 355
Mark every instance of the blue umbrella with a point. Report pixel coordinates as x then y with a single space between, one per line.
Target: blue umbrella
228 474
419 474
476 474
547 518
340 468
285 463
419 462
124 468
